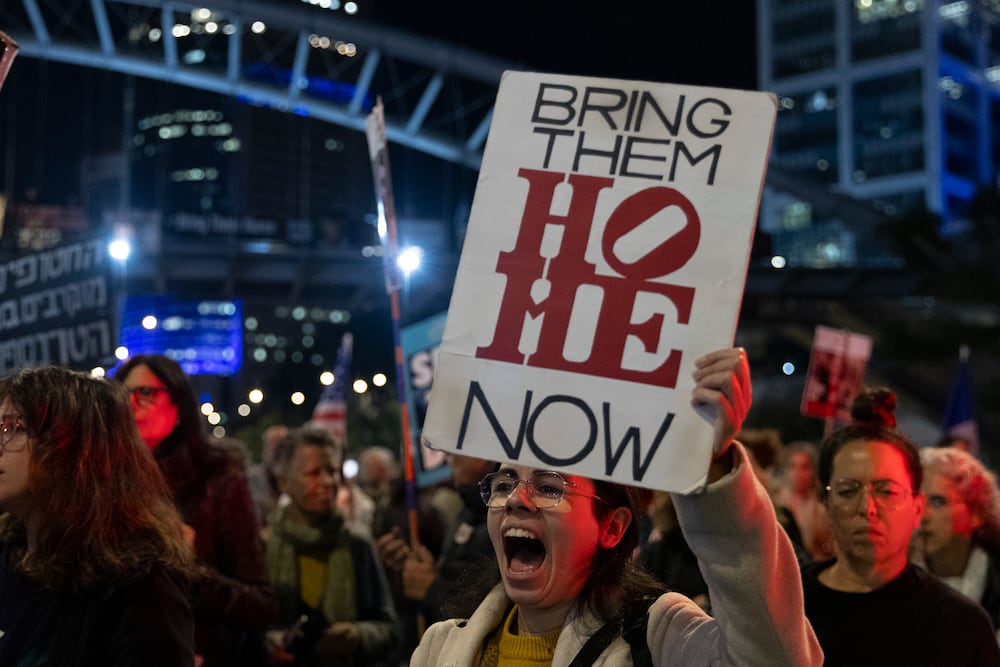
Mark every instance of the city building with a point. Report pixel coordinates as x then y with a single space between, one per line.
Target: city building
891 102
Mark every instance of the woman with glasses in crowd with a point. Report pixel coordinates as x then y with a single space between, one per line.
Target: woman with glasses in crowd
93 564
231 596
571 595
869 605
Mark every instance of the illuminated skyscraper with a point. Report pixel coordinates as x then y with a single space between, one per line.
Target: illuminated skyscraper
889 101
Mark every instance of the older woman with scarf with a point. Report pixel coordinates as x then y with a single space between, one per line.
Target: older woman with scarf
335 607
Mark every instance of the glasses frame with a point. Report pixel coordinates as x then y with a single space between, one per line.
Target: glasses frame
486 490
7 436
146 395
851 506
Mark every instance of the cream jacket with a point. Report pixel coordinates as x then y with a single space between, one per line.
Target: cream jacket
753 580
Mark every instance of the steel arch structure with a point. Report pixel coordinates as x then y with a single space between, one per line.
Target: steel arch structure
292 56
438 97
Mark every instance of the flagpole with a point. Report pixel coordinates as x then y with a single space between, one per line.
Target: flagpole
379 155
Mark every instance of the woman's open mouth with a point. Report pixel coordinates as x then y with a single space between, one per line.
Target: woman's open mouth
523 550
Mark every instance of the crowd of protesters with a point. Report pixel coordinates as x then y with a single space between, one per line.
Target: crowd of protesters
128 536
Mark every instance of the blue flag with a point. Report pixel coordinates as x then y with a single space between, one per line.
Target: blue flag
960 418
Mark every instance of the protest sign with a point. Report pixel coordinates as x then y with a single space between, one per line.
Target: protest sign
837 364
606 250
421 342
55 308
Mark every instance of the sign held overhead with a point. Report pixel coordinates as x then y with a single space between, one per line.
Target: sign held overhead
606 250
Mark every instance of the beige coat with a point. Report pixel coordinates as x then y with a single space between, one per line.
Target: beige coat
754 585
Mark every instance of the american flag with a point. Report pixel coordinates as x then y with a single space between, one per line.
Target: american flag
330 413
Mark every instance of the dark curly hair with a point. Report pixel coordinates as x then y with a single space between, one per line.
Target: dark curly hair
873 419
617 585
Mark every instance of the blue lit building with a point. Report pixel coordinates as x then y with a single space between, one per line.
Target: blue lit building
893 102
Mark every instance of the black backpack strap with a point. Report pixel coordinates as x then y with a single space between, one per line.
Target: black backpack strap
635 633
632 628
598 641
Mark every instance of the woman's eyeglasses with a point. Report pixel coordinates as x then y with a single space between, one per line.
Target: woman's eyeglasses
845 494
546 489
145 396
9 426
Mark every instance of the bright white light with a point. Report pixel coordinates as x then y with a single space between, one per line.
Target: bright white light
201 14
214 418
149 322
778 262
181 30
258 27
379 379
243 410
351 7
298 398
350 469
360 386
326 378
788 368
207 408
954 11
119 249
98 372
211 27
408 260
121 353
255 396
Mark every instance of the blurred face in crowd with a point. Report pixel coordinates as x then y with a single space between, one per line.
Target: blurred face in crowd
799 472
947 518
311 481
15 456
154 410
466 470
545 555
873 507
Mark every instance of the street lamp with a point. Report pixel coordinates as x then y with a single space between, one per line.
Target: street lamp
408 260
119 249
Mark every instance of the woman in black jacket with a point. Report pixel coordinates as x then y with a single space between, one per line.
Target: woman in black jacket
232 600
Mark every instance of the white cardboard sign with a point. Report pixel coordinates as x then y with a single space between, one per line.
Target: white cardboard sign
606 250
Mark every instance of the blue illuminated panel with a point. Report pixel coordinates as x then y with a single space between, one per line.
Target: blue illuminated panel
204 337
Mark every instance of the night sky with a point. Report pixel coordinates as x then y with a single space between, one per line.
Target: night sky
677 41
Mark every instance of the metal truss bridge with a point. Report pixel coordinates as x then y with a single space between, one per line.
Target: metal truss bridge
287 55
291 56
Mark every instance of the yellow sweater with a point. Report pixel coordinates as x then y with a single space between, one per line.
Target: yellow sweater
505 649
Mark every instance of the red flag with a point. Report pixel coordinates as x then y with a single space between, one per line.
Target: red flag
330 413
